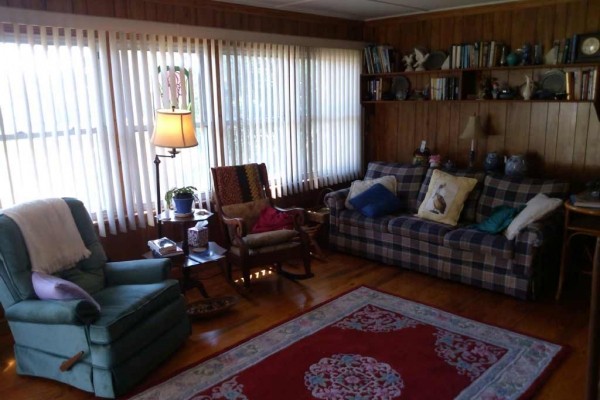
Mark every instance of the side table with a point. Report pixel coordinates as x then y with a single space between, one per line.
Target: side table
186 222
214 253
318 218
578 221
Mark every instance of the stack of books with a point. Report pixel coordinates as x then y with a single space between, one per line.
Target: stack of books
585 199
164 247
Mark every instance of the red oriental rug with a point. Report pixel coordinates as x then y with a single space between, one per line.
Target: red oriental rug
368 345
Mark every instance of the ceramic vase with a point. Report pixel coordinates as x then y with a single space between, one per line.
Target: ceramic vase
527 88
515 166
492 162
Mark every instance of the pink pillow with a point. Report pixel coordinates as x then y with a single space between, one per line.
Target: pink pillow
272 220
50 287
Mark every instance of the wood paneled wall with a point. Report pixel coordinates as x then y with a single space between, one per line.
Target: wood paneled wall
561 138
205 13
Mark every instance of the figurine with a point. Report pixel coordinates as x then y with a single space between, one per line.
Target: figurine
420 60
408 60
527 88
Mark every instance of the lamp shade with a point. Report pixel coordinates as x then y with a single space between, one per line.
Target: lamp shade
174 129
473 130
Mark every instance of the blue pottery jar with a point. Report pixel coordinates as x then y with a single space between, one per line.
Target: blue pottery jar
512 59
516 166
492 162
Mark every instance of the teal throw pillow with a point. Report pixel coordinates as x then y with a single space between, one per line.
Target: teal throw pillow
499 220
376 202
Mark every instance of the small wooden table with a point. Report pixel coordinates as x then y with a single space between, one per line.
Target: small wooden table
318 218
185 222
578 221
187 262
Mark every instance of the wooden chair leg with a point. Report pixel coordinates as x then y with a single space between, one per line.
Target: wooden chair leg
246 276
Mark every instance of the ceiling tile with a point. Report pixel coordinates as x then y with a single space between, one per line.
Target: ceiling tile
352 9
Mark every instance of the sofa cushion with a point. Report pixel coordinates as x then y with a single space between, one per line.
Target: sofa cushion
124 306
515 192
376 201
408 178
500 219
539 206
470 206
355 218
359 187
469 239
445 197
418 228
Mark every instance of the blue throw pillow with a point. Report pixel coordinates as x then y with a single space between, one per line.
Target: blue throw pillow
376 201
499 220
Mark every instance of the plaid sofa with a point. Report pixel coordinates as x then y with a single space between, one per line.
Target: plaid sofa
457 253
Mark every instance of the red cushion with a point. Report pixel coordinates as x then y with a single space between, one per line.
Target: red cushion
272 220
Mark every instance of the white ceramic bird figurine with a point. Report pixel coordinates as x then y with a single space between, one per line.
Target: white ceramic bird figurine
420 58
408 60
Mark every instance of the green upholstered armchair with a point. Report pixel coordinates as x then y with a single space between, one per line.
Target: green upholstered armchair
141 321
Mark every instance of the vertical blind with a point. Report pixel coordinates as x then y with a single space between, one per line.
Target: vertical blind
294 108
78 113
56 127
153 72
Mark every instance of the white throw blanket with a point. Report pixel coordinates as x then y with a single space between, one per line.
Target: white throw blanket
52 238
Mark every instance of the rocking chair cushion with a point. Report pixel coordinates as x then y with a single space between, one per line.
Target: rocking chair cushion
271 219
248 212
271 238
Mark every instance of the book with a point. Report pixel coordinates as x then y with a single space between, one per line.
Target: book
585 199
164 247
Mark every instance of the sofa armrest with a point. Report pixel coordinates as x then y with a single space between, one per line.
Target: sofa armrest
137 271
336 201
538 235
53 312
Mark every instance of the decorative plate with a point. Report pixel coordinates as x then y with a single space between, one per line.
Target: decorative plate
435 60
554 81
401 87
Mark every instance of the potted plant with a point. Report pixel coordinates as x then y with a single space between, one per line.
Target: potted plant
182 197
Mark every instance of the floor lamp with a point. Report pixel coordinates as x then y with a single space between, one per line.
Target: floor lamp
473 131
173 129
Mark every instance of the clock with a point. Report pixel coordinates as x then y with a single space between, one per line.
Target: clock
588 47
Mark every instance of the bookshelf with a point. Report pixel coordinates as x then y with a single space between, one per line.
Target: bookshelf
583 83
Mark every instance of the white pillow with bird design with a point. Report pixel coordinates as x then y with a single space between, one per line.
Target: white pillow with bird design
445 198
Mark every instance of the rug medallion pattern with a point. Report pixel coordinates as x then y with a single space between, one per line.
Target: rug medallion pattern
369 345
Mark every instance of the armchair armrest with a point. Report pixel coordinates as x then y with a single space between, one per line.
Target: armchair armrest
53 312
137 271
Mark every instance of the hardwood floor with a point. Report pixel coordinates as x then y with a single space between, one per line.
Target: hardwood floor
274 299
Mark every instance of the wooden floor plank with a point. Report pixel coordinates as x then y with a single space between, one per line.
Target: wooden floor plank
274 299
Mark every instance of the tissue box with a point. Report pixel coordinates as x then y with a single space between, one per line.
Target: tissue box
197 237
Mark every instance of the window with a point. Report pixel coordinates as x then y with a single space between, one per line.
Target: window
78 115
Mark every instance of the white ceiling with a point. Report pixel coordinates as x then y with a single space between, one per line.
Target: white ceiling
363 10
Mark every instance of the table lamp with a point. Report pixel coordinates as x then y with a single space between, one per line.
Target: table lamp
473 131
173 129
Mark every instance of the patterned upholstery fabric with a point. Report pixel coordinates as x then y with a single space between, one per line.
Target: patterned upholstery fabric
459 254
355 218
470 206
409 178
480 242
515 192
242 182
419 228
